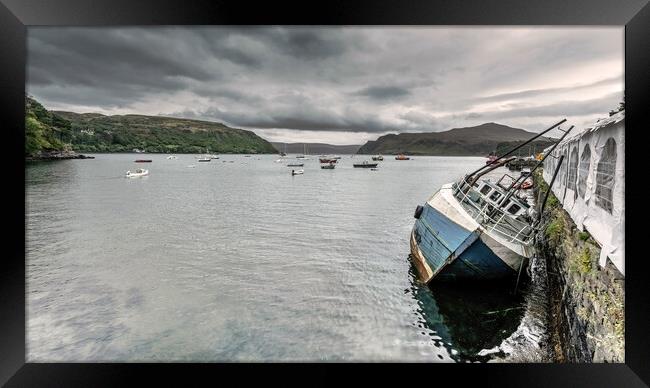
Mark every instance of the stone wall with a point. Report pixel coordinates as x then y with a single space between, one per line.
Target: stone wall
587 311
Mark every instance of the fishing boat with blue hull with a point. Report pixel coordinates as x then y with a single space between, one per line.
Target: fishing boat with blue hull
476 229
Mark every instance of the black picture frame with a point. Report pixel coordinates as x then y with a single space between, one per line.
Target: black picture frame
17 15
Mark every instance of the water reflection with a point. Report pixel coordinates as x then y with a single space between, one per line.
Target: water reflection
468 318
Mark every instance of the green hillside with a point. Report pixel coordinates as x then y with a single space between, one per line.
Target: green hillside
44 131
93 132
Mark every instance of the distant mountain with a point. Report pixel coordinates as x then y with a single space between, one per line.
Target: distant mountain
468 141
94 132
315 148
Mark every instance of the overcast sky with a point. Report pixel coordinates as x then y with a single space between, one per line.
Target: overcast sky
333 84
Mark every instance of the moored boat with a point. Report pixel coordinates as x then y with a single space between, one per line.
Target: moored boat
143 160
204 159
328 166
365 164
490 158
172 157
328 160
297 172
137 173
402 157
377 158
295 164
476 229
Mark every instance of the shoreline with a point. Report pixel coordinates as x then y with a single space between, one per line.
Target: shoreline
56 155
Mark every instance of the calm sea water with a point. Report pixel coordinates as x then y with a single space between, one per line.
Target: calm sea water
237 260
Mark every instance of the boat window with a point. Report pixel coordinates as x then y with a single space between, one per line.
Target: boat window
473 195
573 169
486 189
514 208
506 203
495 196
583 171
605 176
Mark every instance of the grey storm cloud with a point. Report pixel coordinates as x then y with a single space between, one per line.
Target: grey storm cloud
546 91
300 118
330 79
383 92
596 106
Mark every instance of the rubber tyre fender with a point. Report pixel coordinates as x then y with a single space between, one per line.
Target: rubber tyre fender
418 211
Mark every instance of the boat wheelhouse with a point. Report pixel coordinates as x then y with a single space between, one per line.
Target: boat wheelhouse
476 229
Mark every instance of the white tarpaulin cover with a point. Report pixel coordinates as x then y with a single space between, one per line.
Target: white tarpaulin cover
591 184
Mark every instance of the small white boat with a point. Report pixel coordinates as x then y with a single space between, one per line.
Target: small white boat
297 172
137 173
204 159
171 157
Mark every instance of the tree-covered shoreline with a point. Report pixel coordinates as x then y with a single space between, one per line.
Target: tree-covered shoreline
50 132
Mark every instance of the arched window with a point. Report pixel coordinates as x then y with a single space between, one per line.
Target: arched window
573 169
583 170
605 176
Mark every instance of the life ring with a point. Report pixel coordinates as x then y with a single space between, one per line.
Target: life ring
418 211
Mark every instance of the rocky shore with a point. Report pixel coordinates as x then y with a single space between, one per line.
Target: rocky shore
56 155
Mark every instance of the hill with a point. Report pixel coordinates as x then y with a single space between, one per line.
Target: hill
468 141
316 148
94 132
45 132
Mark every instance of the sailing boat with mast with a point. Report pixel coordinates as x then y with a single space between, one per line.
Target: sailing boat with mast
206 157
477 229
304 153
283 155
